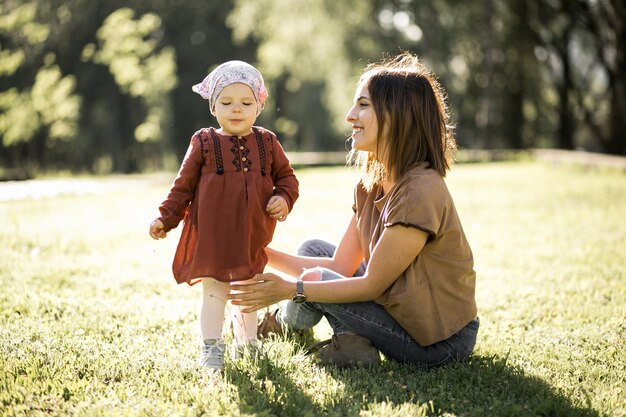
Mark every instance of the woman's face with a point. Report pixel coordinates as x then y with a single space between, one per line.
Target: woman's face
363 119
236 109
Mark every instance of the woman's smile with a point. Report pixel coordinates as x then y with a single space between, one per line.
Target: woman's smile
356 130
363 119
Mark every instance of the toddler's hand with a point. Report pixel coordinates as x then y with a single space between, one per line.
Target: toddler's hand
156 230
277 208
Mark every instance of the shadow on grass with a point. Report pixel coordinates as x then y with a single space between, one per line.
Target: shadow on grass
272 391
484 386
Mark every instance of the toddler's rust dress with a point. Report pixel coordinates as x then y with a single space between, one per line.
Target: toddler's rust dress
221 192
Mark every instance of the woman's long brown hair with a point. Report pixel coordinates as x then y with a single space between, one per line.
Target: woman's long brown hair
411 109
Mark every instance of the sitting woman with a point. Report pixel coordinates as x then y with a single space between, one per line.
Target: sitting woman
401 281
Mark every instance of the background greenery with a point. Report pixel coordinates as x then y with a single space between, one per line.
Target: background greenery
105 85
93 324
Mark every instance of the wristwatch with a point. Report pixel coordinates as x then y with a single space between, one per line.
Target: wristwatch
299 297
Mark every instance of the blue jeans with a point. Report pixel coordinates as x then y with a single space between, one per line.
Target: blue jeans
371 320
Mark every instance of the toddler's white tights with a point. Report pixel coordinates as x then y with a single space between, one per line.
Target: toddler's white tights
214 304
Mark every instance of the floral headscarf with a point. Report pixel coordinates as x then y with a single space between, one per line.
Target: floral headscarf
228 73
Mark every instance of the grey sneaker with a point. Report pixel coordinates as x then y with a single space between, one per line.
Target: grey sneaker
252 348
212 354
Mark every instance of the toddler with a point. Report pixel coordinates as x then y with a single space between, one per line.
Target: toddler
234 183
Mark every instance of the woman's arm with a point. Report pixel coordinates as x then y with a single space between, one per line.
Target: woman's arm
397 248
347 258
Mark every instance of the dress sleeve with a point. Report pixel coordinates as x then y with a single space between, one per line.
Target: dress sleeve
421 203
174 207
285 181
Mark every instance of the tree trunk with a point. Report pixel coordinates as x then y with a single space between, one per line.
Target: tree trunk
518 38
616 142
488 66
606 23
566 119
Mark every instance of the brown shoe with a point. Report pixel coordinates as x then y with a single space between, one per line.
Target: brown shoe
346 350
269 325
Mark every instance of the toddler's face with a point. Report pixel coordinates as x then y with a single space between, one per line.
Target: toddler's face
236 109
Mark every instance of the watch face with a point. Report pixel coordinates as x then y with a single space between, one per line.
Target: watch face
299 298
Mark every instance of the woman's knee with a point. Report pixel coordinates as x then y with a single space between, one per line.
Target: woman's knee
328 275
316 248
299 316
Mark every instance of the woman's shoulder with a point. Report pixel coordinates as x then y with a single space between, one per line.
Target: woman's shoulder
420 198
421 175
421 182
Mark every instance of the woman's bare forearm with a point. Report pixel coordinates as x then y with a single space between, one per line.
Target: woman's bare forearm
344 261
294 264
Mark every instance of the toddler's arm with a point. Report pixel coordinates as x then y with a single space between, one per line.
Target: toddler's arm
285 182
156 230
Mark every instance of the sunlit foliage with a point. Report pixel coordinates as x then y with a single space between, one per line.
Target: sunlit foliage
309 41
128 47
105 86
50 103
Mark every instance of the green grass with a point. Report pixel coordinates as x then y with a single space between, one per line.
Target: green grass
92 324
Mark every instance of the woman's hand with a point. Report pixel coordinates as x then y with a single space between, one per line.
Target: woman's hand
261 291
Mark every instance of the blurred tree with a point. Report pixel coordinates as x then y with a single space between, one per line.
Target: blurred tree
106 85
606 22
38 104
202 40
484 68
118 128
128 47
581 45
309 51
519 74
554 25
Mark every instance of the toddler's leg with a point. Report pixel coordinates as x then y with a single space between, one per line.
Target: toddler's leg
212 311
244 325
211 324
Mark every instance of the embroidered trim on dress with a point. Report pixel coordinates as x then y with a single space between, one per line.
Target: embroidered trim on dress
261 146
203 139
218 152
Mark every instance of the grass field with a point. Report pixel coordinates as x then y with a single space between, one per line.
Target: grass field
92 324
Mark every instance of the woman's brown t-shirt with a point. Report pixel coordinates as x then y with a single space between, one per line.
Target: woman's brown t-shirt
434 296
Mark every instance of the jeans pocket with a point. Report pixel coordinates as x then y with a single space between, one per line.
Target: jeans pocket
447 359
